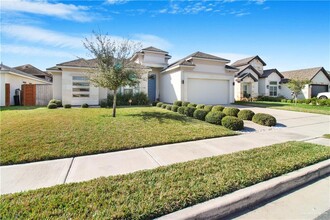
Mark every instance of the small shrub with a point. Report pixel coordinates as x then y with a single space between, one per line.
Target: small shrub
200 106
313 102
189 111
208 107
103 103
85 105
307 101
214 117
245 114
322 102
169 107
289 101
231 111
56 101
219 108
300 101
264 119
139 98
192 105
283 100
67 106
270 99
185 104
182 109
164 106
159 104
175 108
328 102
154 103
178 103
200 114
51 106
232 123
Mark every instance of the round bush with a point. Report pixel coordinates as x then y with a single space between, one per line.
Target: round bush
185 104
85 105
264 119
164 106
154 103
208 107
231 111
232 123
307 101
52 106
56 101
67 106
289 101
189 111
214 117
182 109
159 104
283 100
178 103
200 106
192 105
219 108
245 114
200 114
175 108
169 107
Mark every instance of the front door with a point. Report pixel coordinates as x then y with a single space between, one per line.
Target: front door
152 88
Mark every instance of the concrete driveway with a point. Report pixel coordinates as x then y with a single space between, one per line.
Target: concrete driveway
291 126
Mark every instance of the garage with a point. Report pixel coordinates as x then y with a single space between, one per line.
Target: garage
316 89
208 91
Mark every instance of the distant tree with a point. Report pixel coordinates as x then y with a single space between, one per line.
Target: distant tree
296 85
113 68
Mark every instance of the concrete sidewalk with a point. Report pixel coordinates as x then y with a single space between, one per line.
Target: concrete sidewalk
291 126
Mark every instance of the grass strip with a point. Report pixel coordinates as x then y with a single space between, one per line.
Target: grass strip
326 136
153 193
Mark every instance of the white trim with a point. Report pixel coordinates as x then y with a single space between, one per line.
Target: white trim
24 76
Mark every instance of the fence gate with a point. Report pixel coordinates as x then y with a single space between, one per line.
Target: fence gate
7 94
44 93
28 96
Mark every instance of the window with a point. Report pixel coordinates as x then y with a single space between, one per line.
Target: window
80 87
273 88
128 91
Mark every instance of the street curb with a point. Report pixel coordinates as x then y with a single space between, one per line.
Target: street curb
224 206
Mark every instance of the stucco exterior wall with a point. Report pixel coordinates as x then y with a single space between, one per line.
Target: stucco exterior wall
264 82
57 86
170 86
153 58
320 78
262 86
209 66
286 92
257 65
2 90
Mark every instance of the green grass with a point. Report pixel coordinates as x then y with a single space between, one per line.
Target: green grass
326 136
41 134
289 106
152 193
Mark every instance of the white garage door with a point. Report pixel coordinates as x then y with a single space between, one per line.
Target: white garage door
207 91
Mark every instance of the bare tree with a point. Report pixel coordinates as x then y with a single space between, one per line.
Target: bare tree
113 68
296 85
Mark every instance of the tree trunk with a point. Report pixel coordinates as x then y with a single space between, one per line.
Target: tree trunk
114 103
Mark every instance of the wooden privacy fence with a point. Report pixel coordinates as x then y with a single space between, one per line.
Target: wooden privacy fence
32 94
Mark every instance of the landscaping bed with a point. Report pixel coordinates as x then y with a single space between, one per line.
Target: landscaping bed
41 134
153 193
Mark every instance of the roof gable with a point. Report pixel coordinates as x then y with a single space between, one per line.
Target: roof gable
266 73
304 74
247 60
243 68
9 69
154 49
28 68
243 76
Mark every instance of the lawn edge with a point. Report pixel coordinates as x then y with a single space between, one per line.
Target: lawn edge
239 200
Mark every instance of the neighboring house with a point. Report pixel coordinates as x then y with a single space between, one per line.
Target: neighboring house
319 77
252 80
28 68
12 79
198 78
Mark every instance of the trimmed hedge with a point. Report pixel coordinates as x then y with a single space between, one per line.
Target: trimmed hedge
264 119
208 107
154 103
178 103
51 106
189 111
85 105
139 98
159 104
185 104
56 101
169 107
270 99
214 117
67 106
175 108
200 114
219 108
182 109
192 105
200 106
164 106
232 123
231 111
245 114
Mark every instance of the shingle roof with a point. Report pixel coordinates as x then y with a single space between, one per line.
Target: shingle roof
28 68
244 75
9 69
242 68
187 62
266 73
231 67
79 63
154 49
247 60
304 74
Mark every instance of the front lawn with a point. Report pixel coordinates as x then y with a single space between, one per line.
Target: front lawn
153 193
289 106
40 134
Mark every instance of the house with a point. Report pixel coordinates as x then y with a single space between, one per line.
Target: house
199 78
252 80
318 76
28 68
11 80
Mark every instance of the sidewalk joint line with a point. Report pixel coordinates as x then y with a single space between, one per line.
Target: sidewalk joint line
152 157
67 174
